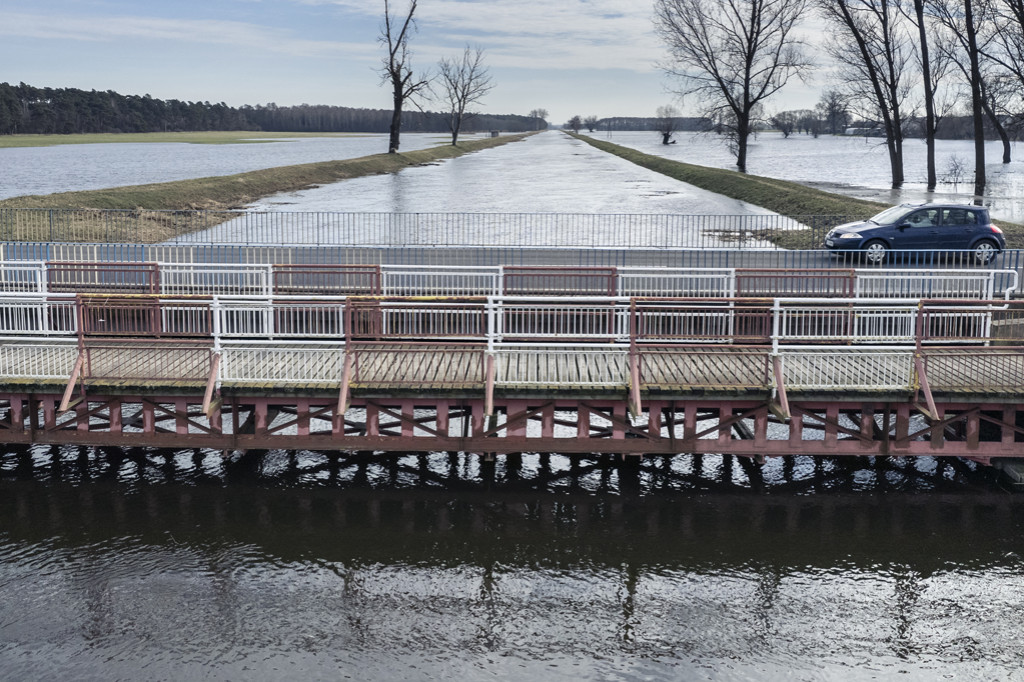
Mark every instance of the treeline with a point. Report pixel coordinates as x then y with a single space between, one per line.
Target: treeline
28 110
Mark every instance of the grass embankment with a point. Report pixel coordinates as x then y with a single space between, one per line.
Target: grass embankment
781 196
150 203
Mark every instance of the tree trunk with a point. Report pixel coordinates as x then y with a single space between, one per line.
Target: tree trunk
456 126
997 124
929 95
977 103
396 125
742 133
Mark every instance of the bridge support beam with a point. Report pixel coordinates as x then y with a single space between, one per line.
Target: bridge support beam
704 425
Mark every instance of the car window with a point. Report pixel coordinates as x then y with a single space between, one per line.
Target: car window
925 218
890 215
959 216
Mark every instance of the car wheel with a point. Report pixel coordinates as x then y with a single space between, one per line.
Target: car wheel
875 251
984 251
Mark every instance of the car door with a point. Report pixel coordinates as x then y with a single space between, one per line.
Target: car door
920 230
959 227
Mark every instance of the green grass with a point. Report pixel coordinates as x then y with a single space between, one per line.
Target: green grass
781 196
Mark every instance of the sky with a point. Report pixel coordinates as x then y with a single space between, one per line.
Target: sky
585 57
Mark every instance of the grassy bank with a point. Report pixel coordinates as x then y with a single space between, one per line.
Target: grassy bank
226 192
780 196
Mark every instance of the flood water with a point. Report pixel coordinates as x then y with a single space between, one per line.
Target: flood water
141 565
854 166
75 167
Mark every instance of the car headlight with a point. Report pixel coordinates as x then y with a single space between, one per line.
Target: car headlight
848 235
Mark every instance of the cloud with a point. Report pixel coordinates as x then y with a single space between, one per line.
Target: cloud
216 32
570 34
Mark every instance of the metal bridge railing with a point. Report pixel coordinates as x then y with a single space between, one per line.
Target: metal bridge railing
321 228
236 279
517 319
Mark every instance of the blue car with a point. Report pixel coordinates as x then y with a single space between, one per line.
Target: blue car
920 227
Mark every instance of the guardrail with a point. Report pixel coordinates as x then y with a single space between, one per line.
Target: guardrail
515 319
404 229
601 256
223 279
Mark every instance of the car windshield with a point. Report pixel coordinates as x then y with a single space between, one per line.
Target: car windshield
890 215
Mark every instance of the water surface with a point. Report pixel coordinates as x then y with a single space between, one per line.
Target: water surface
431 567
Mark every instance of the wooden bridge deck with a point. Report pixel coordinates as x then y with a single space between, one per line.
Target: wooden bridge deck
561 371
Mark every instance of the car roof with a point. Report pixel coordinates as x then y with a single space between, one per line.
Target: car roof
927 205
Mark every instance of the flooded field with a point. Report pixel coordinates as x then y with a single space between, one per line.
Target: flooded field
855 166
66 168
547 174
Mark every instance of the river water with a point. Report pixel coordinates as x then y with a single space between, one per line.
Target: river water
151 565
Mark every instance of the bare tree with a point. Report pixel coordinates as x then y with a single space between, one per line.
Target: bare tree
464 82
667 117
965 19
540 115
833 111
575 123
915 12
876 61
395 67
590 122
1009 35
732 55
786 122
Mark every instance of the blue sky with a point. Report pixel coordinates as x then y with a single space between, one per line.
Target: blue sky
568 56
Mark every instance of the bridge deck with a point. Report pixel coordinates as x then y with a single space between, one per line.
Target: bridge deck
460 369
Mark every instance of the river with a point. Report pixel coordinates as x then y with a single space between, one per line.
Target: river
152 565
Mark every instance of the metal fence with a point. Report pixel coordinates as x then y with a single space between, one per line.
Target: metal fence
516 320
454 258
407 229
233 279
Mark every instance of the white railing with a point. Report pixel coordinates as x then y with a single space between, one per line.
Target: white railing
670 282
23 277
207 279
537 320
530 318
960 284
35 314
176 278
280 317
426 280
806 320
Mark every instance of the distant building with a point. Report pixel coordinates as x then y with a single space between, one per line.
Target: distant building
866 132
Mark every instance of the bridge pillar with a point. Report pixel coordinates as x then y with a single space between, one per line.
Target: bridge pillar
583 422
114 415
547 422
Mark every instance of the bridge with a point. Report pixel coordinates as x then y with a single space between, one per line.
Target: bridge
492 359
